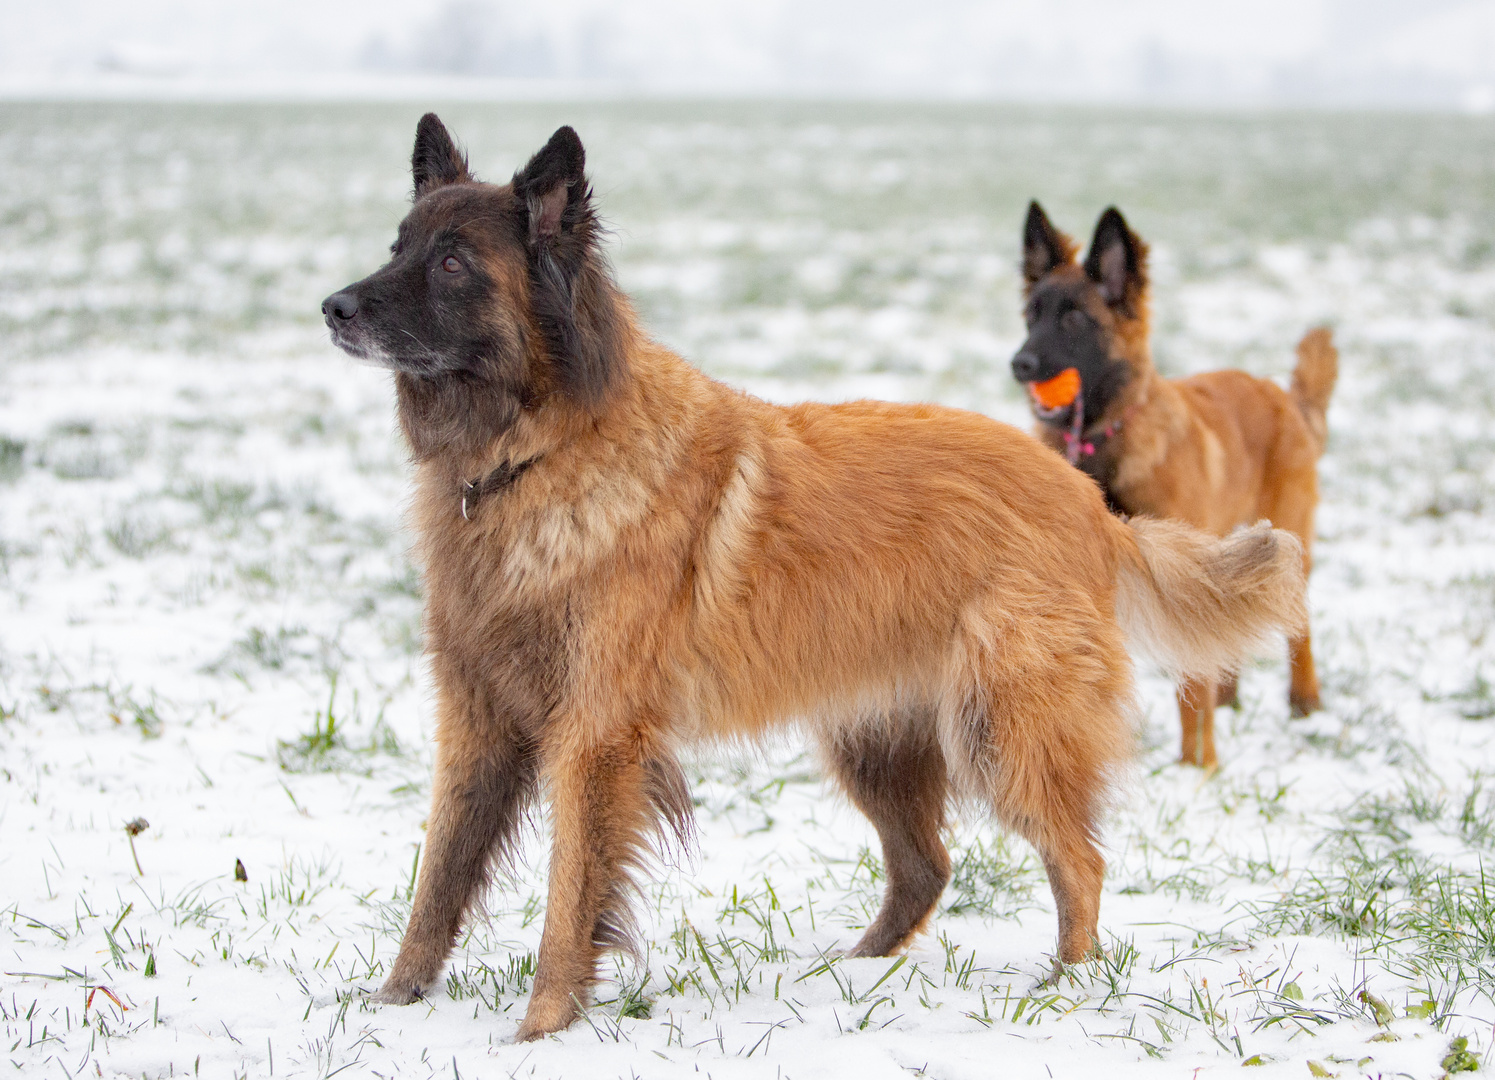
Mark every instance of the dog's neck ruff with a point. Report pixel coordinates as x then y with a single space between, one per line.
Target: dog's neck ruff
494 483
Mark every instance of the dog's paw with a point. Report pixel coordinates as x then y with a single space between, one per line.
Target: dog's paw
1083 968
396 993
870 945
1302 707
1058 971
547 1015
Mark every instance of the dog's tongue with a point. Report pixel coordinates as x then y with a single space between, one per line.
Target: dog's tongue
1057 392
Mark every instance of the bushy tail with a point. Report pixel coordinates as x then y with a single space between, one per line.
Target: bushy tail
1313 380
1200 605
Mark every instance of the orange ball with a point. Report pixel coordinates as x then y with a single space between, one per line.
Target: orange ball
1057 392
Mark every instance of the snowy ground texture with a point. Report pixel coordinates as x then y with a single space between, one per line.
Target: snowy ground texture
208 619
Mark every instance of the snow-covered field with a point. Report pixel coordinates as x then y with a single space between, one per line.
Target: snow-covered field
208 620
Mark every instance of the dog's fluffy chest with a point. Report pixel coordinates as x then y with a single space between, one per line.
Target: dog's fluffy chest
524 544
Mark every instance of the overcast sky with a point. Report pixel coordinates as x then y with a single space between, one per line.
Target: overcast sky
1438 53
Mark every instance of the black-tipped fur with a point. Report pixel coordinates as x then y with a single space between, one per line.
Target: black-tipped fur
1117 262
669 794
1044 247
571 293
668 797
436 160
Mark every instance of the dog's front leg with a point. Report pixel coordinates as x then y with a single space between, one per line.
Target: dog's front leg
485 777
600 813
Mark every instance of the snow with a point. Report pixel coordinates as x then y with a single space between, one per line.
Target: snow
202 560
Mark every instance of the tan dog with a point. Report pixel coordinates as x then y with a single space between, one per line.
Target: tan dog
1218 450
623 556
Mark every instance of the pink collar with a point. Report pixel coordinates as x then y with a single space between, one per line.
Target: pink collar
1077 444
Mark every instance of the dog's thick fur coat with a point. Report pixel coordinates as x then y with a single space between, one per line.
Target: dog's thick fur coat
1218 450
662 560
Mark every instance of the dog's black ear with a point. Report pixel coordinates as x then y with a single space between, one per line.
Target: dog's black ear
436 160
571 290
552 182
1117 261
1044 247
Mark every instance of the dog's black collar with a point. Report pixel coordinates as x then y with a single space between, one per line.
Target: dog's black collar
500 479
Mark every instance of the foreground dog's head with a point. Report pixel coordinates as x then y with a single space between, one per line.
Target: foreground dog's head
497 285
1089 317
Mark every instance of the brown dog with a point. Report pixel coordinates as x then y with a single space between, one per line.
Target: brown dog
1218 450
623 556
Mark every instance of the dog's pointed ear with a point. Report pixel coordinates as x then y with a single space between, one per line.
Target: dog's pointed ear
576 306
1044 247
1117 260
553 180
436 160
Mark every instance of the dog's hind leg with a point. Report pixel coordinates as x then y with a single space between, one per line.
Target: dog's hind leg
1228 693
1053 800
1196 716
1303 690
1293 511
892 768
1303 680
485 779
1039 732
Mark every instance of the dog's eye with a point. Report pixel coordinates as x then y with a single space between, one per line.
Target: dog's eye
451 264
1074 319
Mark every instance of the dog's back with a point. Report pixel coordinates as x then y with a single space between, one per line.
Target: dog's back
1249 443
1270 437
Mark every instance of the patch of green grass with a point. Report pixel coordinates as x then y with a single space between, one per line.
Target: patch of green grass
219 499
494 987
1431 922
1390 815
79 451
262 578
993 878
84 465
296 884
269 650
1477 700
326 746
12 458
406 583
125 708
135 537
1477 813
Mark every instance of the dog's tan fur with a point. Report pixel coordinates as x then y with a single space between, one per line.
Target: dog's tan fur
1217 450
931 596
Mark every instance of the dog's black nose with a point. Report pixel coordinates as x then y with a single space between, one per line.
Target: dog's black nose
342 305
1025 367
